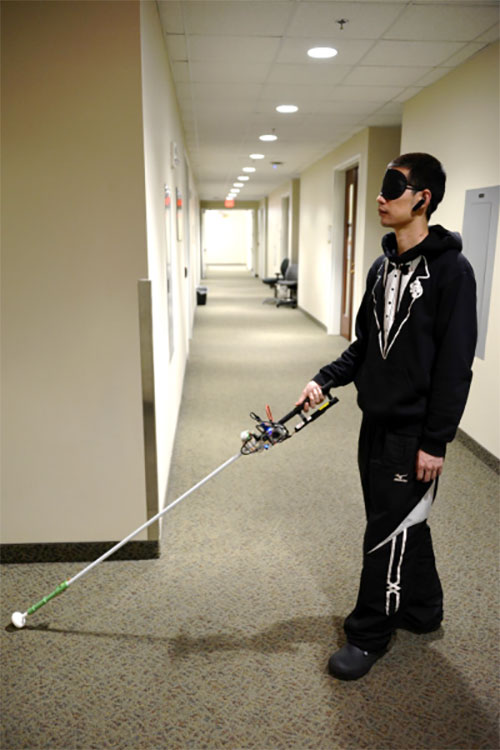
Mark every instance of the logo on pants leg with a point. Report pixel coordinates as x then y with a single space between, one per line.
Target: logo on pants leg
401 478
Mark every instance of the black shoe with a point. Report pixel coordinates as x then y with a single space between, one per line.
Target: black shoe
351 662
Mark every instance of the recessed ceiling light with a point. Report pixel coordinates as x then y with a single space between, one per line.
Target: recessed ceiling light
235 190
287 108
322 53
268 137
243 177
238 184
257 156
248 169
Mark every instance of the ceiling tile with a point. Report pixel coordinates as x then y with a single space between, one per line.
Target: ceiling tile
171 16
387 76
226 127
365 93
354 107
243 18
215 90
184 91
180 72
393 108
443 22
325 128
293 93
294 50
313 72
212 108
233 49
432 76
491 35
411 53
235 60
221 73
268 107
365 20
462 55
176 46
408 93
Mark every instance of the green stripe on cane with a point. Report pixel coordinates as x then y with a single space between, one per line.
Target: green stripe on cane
59 590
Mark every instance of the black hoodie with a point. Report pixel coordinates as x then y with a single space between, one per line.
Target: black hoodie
417 381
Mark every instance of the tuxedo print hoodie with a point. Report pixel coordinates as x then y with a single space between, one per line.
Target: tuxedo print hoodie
416 333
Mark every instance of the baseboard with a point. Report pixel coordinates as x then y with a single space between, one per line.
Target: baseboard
54 552
484 455
312 318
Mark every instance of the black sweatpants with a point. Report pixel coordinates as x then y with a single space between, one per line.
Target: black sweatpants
399 581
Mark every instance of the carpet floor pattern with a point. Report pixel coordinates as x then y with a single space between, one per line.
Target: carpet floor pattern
223 641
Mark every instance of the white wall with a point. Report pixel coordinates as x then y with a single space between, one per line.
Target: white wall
275 250
73 247
228 236
172 319
262 235
457 120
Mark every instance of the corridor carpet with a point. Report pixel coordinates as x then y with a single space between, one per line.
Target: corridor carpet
223 641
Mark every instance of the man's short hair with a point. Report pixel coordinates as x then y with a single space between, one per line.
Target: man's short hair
425 172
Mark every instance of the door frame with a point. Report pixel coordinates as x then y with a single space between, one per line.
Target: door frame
348 264
336 239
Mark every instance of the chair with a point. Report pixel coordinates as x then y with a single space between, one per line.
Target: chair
289 285
272 281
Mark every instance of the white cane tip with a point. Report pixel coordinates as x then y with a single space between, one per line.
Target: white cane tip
18 619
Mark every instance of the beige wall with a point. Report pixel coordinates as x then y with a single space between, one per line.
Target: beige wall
73 247
383 146
321 222
457 120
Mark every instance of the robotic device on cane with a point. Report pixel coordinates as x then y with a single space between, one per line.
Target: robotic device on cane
266 434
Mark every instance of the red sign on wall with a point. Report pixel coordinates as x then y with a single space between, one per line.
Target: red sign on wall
228 203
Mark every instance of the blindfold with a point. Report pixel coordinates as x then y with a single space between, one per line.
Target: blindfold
394 185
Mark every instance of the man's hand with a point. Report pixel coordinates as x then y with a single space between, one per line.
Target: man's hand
313 392
428 467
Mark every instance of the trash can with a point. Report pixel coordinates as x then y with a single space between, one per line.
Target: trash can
201 295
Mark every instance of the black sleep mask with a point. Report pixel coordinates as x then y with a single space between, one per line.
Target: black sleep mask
394 185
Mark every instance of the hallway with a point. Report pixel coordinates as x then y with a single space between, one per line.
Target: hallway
223 641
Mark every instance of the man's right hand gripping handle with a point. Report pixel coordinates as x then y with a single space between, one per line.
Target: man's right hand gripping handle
312 395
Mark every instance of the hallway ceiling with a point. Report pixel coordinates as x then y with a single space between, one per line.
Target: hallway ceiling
234 61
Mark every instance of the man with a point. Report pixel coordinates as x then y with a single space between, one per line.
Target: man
411 364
